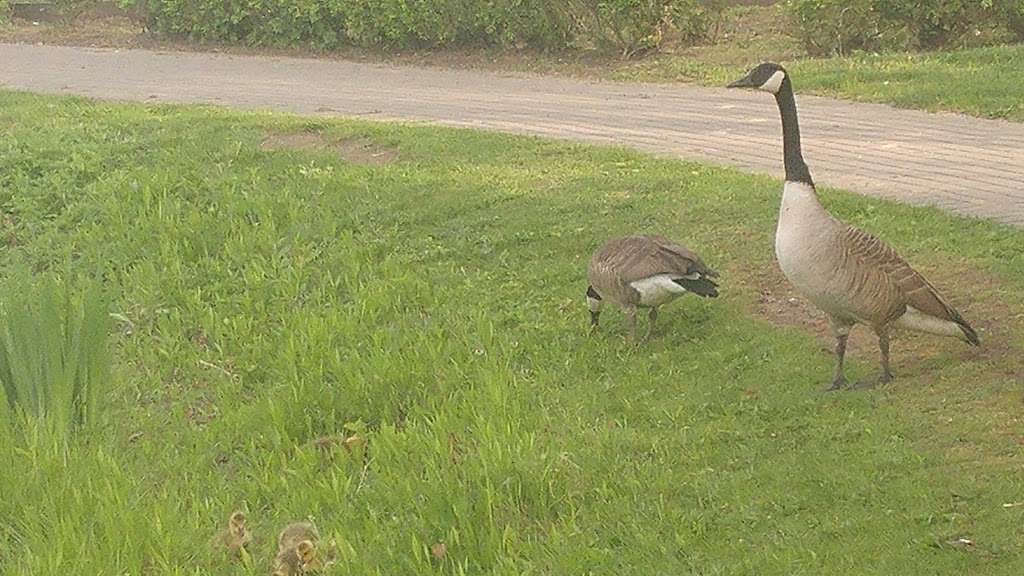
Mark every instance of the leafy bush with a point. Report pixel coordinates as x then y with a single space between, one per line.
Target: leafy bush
631 26
53 353
933 24
836 27
842 26
626 26
1014 13
5 11
327 24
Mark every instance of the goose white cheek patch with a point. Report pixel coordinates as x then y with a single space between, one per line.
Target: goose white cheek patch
774 83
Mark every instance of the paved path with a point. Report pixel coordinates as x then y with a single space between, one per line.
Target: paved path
963 164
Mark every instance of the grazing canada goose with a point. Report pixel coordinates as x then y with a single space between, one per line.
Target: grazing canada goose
644 271
852 276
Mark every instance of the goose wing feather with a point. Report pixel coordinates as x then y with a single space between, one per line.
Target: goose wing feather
634 258
914 288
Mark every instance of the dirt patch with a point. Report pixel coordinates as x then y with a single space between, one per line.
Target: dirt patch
364 151
108 32
354 149
296 140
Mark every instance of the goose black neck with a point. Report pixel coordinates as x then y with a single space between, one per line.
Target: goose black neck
796 168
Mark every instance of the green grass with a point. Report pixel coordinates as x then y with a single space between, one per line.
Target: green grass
982 82
435 306
54 361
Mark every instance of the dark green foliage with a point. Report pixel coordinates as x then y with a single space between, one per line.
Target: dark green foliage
839 27
1014 10
625 26
631 26
53 352
835 27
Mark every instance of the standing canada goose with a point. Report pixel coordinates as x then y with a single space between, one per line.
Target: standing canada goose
646 272
852 276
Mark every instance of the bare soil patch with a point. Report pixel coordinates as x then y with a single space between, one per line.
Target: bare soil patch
354 149
99 25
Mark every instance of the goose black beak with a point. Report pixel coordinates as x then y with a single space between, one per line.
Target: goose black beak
745 82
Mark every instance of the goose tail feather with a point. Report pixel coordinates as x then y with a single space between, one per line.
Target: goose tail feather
701 286
969 334
952 325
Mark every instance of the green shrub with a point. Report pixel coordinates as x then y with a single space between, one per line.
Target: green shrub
626 26
836 26
1014 14
54 361
840 26
932 24
5 11
631 26
327 24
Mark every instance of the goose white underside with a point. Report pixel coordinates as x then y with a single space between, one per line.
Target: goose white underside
914 319
660 288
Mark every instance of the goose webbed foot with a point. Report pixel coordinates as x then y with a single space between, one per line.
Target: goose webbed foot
864 384
868 383
837 384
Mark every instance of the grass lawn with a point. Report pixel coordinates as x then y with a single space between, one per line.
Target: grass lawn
280 279
983 82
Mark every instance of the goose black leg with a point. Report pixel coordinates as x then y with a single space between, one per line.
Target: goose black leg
838 378
594 305
885 376
841 330
653 316
883 347
631 323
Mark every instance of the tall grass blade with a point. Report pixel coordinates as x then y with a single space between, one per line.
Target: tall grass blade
54 358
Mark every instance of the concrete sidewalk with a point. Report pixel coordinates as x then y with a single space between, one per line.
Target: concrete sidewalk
967 165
